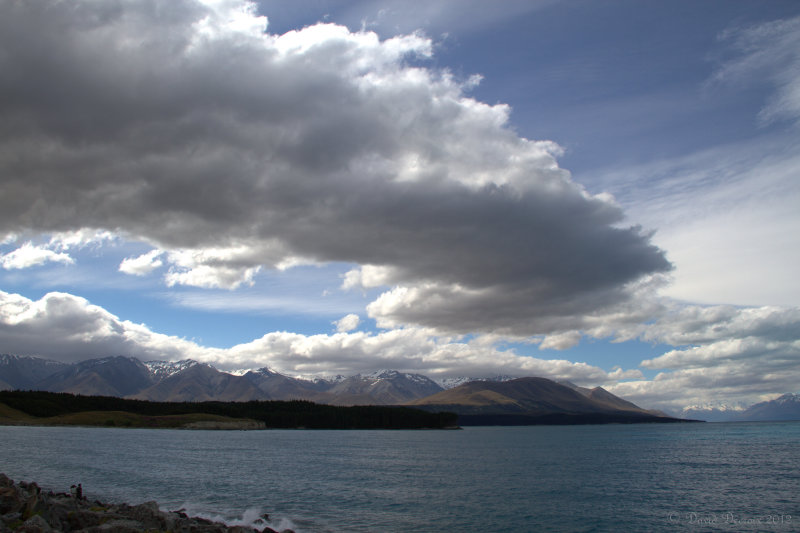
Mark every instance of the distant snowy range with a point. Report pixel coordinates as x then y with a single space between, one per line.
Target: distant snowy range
785 407
191 381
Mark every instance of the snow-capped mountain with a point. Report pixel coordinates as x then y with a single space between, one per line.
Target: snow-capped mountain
713 411
200 382
786 407
189 380
164 369
386 374
383 386
449 383
276 386
326 381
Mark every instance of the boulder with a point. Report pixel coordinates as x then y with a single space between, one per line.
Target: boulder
25 508
35 524
11 501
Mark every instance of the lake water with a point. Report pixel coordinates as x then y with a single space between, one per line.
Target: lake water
649 477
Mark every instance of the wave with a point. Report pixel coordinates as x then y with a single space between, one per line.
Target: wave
253 517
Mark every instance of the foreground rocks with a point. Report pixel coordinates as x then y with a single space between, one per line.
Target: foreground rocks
26 508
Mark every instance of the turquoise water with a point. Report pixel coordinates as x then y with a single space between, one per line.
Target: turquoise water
650 477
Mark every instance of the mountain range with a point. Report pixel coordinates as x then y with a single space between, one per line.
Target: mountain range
785 407
191 381
513 400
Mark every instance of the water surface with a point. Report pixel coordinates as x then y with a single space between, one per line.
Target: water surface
649 477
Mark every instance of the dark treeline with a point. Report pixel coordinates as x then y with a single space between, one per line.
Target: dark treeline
275 414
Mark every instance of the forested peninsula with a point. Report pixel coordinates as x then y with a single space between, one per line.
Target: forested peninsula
64 409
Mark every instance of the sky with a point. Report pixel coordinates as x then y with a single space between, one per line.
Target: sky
599 192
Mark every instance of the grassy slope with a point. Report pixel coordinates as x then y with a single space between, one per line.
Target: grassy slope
9 416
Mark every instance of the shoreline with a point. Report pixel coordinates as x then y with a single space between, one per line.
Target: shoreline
26 507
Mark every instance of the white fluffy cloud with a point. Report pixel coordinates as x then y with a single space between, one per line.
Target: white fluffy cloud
226 268
55 250
347 323
29 255
184 124
723 353
69 328
65 327
143 264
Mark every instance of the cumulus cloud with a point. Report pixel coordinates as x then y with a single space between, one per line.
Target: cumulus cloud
82 238
68 328
732 384
561 341
188 126
142 264
65 327
226 268
347 323
29 255
722 353
54 251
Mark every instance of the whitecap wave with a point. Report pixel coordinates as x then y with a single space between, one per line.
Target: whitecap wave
254 517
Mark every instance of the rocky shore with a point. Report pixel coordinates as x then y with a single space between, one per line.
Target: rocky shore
26 508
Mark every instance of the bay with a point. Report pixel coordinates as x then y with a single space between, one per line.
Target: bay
649 477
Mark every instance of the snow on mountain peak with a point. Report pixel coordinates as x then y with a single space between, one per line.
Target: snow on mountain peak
165 369
451 383
788 398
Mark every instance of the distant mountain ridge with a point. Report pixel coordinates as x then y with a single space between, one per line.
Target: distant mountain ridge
192 381
529 395
535 400
200 383
108 376
20 372
785 407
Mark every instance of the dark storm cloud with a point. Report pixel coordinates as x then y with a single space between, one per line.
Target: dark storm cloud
184 125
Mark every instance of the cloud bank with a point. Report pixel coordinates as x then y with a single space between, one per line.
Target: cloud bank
724 351
187 126
69 328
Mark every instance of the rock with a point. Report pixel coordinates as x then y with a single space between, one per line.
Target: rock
119 526
147 513
35 524
83 519
9 520
10 500
36 502
24 507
